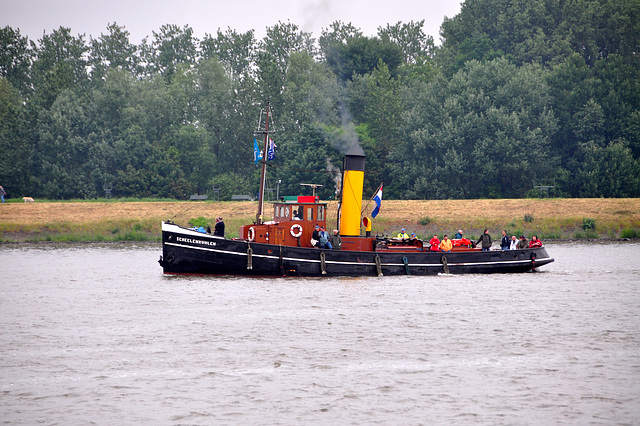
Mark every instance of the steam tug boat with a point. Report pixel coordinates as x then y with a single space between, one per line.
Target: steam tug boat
283 247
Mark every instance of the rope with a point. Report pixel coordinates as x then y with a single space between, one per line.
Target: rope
249 257
281 262
323 266
445 265
378 266
406 265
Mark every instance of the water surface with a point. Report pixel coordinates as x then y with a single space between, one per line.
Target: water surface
95 334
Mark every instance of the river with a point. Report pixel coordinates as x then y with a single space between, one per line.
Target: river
96 334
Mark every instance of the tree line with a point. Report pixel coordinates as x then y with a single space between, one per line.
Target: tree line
519 93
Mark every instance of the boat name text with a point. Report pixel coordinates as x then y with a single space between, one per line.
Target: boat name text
191 241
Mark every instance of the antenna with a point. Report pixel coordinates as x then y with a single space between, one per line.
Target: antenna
312 185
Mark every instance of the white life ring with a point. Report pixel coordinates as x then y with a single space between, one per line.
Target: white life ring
251 235
294 233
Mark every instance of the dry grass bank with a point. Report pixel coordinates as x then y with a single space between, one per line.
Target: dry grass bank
551 218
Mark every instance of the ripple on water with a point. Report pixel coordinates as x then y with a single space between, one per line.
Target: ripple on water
96 332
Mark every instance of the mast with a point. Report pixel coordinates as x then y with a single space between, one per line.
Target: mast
264 166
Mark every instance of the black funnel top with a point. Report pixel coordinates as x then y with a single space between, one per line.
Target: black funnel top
353 161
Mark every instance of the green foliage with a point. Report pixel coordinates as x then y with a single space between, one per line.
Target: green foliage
588 224
15 144
360 55
415 44
16 59
200 221
519 92
111 51
484 133
424 220
539 31
551 235
633 233
608 171
133 236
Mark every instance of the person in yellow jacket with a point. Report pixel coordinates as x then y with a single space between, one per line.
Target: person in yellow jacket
446 245
402 235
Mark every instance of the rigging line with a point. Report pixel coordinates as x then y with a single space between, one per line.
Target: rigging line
187 208
259 121
295 169
273 123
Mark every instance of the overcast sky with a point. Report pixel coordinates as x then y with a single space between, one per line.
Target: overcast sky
142 17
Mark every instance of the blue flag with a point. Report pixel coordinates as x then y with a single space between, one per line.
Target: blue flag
257 154
378 200
271 152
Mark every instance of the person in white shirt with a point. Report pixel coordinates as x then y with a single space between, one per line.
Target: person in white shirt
514 243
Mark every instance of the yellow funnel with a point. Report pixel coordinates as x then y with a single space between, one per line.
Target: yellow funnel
352 182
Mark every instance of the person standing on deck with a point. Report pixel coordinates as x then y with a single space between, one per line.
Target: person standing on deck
446 245
336 241
324 239
514 243
218 229
504 244
523 243
315 236
485 238
435 243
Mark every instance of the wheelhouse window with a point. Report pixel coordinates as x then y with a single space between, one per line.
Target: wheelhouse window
297 213
320 212
281 212
309 213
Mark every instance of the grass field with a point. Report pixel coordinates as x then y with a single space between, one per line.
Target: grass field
140 221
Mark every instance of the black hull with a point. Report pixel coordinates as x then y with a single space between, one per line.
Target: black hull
190 252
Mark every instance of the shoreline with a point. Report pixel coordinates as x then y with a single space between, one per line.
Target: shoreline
139 221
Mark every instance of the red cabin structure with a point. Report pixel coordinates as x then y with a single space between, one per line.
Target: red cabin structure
292 225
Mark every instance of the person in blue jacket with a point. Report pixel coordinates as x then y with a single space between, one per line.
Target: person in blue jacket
504 244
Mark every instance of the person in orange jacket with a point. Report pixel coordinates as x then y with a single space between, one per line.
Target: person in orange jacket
446 245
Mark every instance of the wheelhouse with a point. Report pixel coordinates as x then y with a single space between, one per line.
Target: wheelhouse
292 224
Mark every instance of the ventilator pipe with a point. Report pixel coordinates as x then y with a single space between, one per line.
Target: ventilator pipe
367 225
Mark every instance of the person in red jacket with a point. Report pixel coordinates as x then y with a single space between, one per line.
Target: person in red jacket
535 242
435 243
